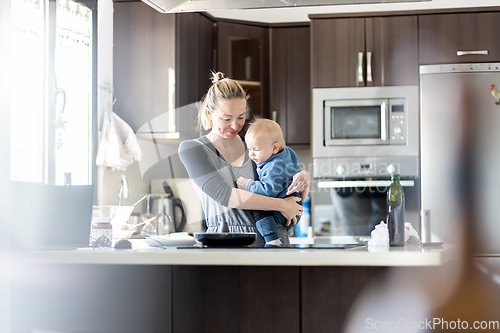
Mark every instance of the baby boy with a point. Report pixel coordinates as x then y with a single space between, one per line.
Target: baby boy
276 166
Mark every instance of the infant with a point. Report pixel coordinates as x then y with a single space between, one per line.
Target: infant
276 166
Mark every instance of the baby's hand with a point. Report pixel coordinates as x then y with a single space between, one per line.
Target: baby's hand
241 182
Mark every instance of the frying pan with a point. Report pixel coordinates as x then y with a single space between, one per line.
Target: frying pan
225 239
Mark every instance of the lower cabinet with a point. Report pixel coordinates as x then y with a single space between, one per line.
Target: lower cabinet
148 298
90 298
236 299
329 292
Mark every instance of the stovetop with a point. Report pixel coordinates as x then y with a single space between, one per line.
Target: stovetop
325 246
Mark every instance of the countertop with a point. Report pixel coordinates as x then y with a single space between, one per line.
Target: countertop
171 255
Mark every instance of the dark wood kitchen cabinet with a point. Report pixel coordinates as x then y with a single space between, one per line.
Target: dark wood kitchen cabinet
243 55
159 60
185 298
290 87
136 298
459 38
91 298
143 54
369 51
194 62
328 293
236 299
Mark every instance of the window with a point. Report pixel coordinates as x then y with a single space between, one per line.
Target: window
51 104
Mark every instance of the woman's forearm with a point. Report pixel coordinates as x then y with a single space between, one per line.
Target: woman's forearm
247 200
288 207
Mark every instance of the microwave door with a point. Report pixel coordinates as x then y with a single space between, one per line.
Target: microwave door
356 122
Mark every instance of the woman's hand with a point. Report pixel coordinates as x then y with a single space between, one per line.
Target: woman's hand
291 209
301 182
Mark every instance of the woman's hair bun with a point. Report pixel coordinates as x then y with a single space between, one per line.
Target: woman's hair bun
216 77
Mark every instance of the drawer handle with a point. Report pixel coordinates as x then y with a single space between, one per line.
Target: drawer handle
369 67
360 67
462 53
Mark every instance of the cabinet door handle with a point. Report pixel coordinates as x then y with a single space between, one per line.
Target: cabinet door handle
369 67
360 67
462 53
274 116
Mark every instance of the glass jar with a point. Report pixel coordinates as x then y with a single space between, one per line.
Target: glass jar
101 226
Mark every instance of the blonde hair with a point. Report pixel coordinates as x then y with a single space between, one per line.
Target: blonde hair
269 129
223 88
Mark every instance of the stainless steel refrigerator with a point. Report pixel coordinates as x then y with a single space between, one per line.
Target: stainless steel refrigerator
458 109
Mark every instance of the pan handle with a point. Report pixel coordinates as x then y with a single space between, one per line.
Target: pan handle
223 227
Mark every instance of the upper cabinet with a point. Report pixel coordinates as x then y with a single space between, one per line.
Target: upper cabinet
371 51
194 62
160 62
243 55
291 87
143 62
459 38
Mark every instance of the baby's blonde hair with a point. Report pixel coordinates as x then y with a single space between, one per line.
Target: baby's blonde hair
223 88
269 129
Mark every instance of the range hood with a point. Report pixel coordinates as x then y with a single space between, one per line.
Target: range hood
172 6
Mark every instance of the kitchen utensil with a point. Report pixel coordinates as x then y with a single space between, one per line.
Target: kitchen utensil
127 231
225 239
139 224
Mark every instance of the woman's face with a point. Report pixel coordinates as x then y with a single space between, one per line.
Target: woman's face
229 118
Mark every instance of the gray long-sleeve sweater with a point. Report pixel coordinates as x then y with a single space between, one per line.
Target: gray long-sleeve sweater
213 180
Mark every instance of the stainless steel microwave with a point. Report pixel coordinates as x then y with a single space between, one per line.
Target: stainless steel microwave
369 123
365 122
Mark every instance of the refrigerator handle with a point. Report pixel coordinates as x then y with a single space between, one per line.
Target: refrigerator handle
462 53
425 227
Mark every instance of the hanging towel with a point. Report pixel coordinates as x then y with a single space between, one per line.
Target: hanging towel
118 147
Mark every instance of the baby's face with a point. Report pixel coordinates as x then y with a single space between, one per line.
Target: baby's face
260 148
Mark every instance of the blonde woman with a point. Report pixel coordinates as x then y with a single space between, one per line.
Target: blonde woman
215 161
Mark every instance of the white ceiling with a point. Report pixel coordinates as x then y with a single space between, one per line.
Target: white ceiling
300 14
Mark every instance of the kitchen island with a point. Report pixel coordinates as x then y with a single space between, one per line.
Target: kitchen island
203 290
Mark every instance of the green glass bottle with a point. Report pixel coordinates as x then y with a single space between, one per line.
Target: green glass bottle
396 212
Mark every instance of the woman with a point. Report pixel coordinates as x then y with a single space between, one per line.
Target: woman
215 161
